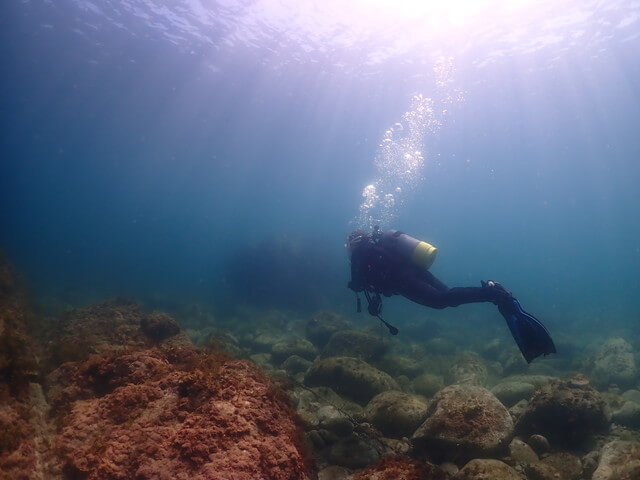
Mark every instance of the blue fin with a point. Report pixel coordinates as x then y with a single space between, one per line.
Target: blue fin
532 337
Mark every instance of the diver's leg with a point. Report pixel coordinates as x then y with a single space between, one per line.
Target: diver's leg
432 294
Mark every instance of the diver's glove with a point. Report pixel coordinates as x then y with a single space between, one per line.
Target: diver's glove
498 294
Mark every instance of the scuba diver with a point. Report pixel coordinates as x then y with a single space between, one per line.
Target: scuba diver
393 263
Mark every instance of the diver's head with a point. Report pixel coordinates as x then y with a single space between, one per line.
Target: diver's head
355 239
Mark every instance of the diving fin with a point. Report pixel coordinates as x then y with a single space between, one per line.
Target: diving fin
532 337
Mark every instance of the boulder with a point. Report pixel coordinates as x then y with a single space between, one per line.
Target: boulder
510 393
542 471
396 365
464 421
520 453
482 469
399 467
295 364
333 472
159 326
468 369
352 343
539 443
354 452
322 325
396 414
628 415
619 460
334 420
427 384
565 412
293 346
614 363
569 466
160 414
351 377
633 395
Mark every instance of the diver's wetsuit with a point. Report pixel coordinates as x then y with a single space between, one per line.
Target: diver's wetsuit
377 269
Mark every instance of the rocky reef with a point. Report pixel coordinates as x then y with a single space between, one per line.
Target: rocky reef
113 391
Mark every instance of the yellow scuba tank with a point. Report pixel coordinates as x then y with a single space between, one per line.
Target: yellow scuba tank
419 252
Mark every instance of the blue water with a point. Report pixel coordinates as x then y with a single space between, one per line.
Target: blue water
148 149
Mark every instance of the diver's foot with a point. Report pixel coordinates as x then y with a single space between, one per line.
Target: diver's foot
499 293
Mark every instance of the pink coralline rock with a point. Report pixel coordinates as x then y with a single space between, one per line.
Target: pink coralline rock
23 429
400 468
109 326
176 413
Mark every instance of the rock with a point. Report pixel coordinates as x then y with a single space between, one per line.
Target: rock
619 460
352 343
510 393
590 463
404 382
539 444
482 469
105 327
493 349
614 364
293 346
396 414
521 453
468 369
513 362
535 380
449 468
400 467
309 401
296 364
322 325
464 421
332 419
159 414
263 342
333 472
353 452
427 384
565 412
569 466
633 395
396 365
263 360
518 409
628 415
441 346
159 326
542 471
348 376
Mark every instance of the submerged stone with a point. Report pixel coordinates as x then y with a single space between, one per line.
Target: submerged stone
396 414
464 421
565 412
349 376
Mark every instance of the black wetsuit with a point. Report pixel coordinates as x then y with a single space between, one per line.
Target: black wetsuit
376 269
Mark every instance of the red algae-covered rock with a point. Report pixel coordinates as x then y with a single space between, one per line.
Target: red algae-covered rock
179 414
109 326
159 326
22 413
464 421
400 468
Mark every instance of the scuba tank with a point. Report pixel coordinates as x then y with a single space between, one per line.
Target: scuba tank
420 253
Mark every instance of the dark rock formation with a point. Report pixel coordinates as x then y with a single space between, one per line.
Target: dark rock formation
565 412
